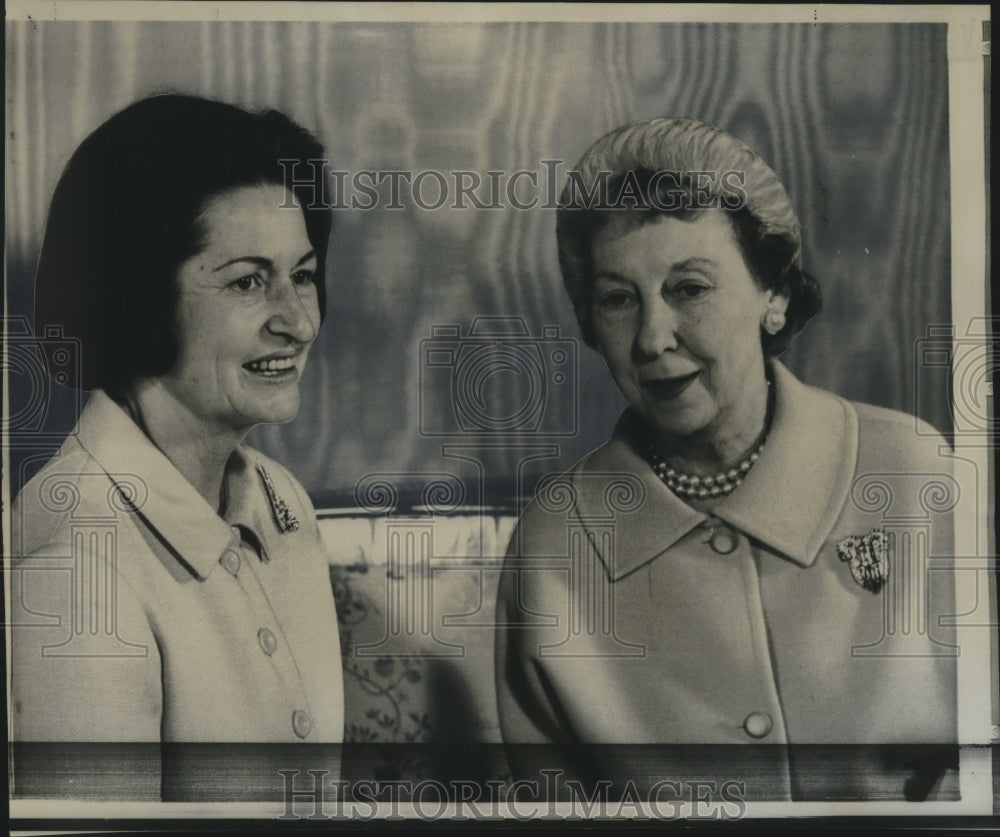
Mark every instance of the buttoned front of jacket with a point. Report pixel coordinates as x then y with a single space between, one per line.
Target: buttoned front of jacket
628 616
142 615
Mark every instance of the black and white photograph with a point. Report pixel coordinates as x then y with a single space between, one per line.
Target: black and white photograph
434 413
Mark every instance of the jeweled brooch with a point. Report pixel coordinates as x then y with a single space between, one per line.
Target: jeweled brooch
283 517
867 557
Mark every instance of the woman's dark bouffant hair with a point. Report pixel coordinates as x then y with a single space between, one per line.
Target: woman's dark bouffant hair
681 167
126 214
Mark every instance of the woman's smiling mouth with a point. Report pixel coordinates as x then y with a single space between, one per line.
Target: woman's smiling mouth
275 367
669 388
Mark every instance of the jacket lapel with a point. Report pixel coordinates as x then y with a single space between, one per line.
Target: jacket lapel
251 504
789 501
653 523
167 501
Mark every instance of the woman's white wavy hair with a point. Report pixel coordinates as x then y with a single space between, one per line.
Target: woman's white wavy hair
670 144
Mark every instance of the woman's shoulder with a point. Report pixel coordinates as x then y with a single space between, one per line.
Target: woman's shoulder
71 484
596 472
892 436
885 437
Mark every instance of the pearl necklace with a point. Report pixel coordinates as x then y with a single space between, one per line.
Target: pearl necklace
692 486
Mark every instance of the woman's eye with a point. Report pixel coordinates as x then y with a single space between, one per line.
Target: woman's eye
615 300
688 290
248 283
303 277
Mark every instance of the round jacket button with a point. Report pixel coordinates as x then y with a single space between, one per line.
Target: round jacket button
230 561
301 723
724 540
758 724
268 641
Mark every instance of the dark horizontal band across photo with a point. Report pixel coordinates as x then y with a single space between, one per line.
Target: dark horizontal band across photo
322 779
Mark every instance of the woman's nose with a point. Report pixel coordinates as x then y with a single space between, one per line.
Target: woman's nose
657 330
294 314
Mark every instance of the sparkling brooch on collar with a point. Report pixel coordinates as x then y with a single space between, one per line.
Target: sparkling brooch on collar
283 517
867 558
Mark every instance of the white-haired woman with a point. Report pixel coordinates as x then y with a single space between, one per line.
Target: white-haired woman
744 591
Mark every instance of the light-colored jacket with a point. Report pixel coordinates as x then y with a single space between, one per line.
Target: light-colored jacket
627 616
141 615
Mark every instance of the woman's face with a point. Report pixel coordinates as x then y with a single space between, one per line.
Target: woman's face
676 316
247 312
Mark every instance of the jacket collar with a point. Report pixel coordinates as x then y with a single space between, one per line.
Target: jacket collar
169 503
789 501
250 507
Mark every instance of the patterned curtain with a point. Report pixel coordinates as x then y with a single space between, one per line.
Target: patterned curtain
852 117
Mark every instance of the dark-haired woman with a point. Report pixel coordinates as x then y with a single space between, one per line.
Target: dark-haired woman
180 572
727 576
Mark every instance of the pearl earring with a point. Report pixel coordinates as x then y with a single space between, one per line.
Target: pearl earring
773 321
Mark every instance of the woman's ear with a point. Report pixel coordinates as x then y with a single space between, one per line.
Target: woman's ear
778 300
773 318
